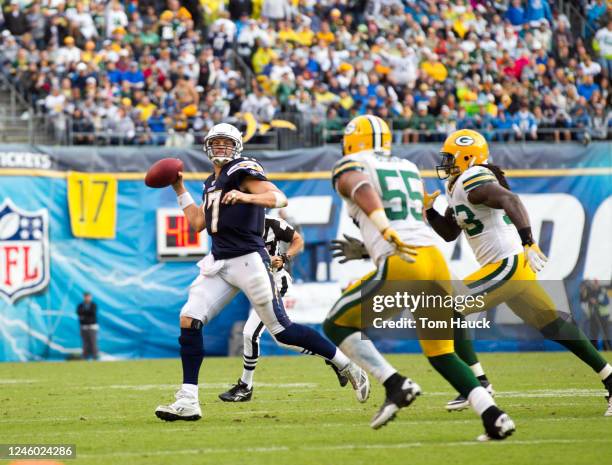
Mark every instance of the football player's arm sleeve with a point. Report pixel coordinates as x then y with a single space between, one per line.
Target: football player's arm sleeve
445 226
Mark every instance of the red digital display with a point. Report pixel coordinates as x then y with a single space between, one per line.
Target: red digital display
176 240
179 233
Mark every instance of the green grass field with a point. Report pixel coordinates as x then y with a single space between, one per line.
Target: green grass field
299 415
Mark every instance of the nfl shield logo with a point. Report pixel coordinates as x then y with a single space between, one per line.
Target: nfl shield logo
24 251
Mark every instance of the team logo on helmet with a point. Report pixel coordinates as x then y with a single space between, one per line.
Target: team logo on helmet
464 141
24 251
350 128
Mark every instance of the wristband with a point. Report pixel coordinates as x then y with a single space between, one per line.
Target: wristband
379 219
280 199
286 258
184 200
526 237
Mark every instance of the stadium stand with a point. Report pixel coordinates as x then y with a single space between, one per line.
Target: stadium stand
163 72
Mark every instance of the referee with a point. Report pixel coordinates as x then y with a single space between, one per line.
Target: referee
283 243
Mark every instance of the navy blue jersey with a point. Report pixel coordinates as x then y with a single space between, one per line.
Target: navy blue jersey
235 230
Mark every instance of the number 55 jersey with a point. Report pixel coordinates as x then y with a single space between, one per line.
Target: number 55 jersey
489 231
398 182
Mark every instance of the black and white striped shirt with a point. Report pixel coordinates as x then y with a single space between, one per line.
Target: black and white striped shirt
276 231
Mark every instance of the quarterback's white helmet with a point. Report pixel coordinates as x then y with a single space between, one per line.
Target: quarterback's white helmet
223 130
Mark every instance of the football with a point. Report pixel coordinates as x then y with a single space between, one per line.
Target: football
163 172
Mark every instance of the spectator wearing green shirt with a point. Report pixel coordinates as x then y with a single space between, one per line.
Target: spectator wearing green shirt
422 125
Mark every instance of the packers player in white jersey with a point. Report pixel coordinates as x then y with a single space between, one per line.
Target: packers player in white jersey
384 197
496 225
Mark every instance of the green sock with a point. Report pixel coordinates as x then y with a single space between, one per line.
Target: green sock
574 340
463 344
456 372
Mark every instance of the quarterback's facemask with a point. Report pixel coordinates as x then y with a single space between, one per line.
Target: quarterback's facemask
447 167
221 150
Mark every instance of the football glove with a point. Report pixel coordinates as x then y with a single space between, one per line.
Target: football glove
429 199
405 251
534 257
349 248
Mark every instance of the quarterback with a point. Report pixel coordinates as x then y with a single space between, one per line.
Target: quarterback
496 225
384 197
232 211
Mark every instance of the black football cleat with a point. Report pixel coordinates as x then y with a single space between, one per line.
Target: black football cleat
498 425
404 395
608 384
240 392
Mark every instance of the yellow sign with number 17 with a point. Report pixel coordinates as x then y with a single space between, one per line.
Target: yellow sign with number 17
92 202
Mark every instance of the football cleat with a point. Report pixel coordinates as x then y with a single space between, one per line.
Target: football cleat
358 379
343 380
461 403
240 392
185 408
608 384
394 401
498 425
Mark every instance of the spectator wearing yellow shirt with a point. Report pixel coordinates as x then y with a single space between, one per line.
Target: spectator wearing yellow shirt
145 108
346 101
326 34
286 32
262 57
90 54
323 95
305 35
435 68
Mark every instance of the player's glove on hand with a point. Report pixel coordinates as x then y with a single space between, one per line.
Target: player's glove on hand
350 248
535 257
405 251
429 199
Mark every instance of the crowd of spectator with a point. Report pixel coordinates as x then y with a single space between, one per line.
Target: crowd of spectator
163 72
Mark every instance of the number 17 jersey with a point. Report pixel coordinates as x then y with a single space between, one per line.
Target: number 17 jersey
398 182
489 231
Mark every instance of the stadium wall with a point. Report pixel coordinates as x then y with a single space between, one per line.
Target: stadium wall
76 219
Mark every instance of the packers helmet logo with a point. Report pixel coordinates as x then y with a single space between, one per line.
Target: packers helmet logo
464 141
350 128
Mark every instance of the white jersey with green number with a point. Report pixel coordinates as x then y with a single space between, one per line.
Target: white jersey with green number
398 182
489 231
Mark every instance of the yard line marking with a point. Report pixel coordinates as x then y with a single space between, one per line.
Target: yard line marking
18 381
149 387
404 445
363 424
